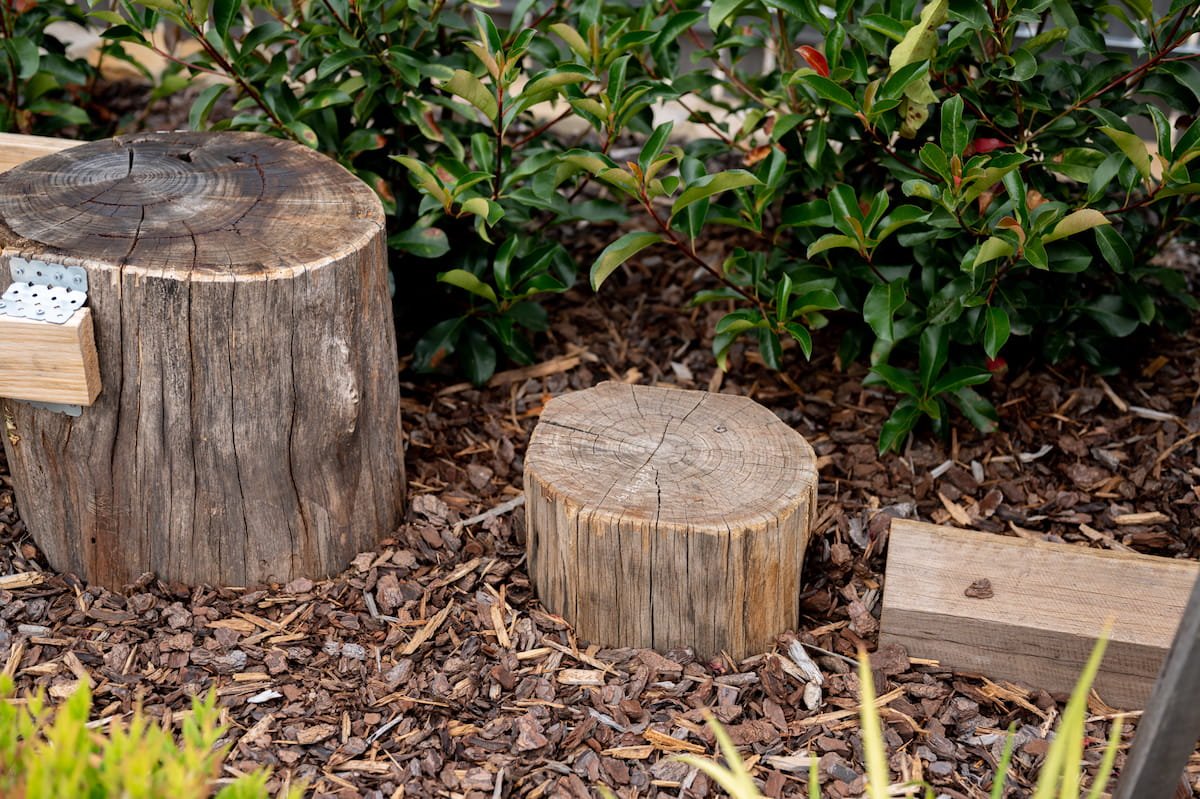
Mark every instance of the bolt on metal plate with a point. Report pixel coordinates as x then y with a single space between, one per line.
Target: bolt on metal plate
44 291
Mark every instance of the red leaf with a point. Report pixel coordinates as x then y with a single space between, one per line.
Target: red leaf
986 145
815 59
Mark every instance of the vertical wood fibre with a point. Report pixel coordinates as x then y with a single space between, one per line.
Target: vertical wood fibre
662 518
248 430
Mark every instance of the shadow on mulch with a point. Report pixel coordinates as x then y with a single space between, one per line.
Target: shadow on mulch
428 668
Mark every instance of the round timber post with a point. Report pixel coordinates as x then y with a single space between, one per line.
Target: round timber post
248 426
661 518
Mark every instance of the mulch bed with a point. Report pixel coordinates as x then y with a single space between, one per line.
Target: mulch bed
429 669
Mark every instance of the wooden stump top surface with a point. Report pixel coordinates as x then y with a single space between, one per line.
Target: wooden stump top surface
671 457
203 205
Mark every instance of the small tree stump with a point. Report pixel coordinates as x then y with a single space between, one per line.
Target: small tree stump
663 518
248 427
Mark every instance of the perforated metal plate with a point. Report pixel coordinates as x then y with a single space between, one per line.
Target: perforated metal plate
43 291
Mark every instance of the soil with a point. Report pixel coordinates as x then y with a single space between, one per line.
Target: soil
428 668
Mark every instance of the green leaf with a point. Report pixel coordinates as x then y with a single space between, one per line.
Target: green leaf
831 241
471 89
1134 148
828 90
1108 312
27 55
437 344
960 377
995 247
722 10
469 282
954 132
879 309
1076 222
902 381
573 40
995 330
934 350
982 414
769 347
223 14
423 242
801 335
304 133
897 427
619 252
935 158
203 104
654 146
1114 248
478 357
921 39
555 79
709 185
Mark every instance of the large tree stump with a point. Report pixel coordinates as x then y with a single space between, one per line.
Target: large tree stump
248 429
662 518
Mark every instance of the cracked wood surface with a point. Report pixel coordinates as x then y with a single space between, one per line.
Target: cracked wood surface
248 430
665 518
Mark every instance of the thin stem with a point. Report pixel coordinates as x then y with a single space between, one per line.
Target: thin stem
689 252
237 77
1136 72
538 131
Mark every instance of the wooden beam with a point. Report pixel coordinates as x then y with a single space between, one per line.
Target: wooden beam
1048 604
17 149
45 362
1168 732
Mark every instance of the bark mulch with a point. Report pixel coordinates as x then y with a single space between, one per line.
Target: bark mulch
428 668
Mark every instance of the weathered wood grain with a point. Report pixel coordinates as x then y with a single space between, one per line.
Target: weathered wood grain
48 362
663 518
249 427
1169 730
1049 604
17 149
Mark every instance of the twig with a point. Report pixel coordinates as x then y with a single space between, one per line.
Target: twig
499 510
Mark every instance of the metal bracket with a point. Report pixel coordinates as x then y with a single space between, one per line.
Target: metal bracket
45 292
58 407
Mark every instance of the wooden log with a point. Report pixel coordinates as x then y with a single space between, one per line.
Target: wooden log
1038 618
17 149
249 427
663 518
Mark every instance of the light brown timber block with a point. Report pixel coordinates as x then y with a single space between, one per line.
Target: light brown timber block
17 149
46 362
1049 605
665 518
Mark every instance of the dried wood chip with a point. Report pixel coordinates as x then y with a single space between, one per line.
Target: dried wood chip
1149 517
428 630
660 740
580 677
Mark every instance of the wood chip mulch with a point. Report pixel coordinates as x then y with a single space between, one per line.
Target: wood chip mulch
428 668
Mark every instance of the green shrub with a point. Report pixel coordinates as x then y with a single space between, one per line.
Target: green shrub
42 90
427 102
953 182
48 754
980 181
